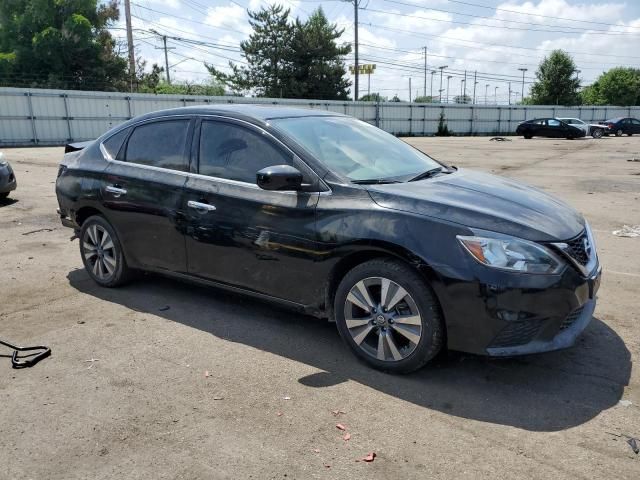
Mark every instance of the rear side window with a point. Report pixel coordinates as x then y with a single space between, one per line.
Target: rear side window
552 122
160 144
236 153
113 144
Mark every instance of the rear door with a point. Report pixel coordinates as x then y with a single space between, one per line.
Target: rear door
635 126
144 193
236 232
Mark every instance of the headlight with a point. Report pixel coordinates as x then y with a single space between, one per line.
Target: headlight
512 254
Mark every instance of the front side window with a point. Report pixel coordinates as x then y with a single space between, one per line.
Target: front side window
160 144
552 122
236 153
355 149
635 122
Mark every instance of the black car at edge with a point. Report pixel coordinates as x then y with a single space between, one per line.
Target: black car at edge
334 217
623 126
548 127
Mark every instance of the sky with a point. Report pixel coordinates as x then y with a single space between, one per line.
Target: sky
490 40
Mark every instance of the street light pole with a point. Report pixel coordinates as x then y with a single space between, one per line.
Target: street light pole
495 95
509 93
441 69
486 87
425 72
355 25
522 91
431 89
448 78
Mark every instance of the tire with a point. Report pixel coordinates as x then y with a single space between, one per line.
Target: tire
629 134
3 195
528 137
102 256
619 132
597 133
378 336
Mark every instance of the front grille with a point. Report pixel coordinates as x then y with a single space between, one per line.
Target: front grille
571 318
580 248
516 333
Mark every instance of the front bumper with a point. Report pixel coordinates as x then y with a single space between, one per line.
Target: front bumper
505 314
8 181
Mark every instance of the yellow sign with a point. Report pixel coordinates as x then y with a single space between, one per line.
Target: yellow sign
363 69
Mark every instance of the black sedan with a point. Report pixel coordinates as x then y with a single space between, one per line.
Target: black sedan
8 181
548 127
334 217
622 126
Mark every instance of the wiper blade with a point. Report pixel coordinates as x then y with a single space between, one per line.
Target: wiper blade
373 181
427 174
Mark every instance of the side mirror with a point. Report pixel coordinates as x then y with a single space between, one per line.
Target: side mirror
279 177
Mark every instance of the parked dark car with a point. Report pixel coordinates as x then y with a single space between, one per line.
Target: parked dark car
8 181
332 216
548 127
622 126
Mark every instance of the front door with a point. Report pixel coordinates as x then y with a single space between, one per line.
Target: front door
239 234
143 192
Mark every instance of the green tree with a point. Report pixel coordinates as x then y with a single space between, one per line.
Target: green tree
618 86
424 99
372 97
557 81
268 53
462 99
60 44
318 61
443 129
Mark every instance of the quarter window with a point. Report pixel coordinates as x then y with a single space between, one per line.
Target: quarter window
236 153
160 144
114 143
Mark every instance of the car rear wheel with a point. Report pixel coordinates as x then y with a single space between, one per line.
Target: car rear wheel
597 133
102 254
3 195
619 132
389 316
528 137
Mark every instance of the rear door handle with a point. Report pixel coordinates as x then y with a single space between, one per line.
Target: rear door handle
117 191
201 207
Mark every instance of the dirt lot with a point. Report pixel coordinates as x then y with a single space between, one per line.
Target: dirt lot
125 394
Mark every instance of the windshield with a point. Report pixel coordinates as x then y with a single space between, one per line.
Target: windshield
355 149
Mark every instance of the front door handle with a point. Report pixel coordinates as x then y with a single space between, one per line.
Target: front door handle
201 207
116 190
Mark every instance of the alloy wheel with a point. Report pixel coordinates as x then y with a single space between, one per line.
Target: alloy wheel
383 319
99 251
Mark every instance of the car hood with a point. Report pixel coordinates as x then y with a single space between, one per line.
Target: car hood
484 201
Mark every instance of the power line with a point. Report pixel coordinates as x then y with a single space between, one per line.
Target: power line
586 32
422 7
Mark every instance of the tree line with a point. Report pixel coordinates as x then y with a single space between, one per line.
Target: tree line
67 44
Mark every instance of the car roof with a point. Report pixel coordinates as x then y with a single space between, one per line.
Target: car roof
258 112
617 119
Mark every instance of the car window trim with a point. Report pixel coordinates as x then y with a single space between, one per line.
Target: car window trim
252 127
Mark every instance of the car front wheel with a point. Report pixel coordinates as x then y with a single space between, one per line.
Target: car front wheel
388 316
597 133
102 254
619 132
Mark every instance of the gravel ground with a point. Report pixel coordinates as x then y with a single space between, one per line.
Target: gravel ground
219 386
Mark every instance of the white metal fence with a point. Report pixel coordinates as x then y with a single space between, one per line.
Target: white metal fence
55 117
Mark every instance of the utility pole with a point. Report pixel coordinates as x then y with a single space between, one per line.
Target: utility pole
475 82
509 93
441 69
165 48
463 90
425 72
464 93
495 95
355 25
522 91
486 87
448 78
409 89
132 57
431 90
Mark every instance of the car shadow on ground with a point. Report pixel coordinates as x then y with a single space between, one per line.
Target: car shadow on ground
5 202
548 392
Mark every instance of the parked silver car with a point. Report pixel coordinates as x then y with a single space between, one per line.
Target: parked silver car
594 129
